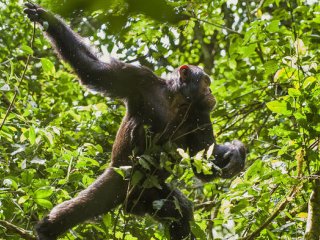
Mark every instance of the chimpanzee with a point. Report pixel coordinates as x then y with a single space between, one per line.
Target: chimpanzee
176 109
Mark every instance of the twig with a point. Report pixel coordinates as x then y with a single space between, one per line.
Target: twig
259 105
278 210
115 224
219 26
209 204
20 81
258 7
15 229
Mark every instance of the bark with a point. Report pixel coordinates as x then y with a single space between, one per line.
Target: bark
313 221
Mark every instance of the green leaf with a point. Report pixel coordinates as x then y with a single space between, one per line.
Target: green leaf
136 177
10 183
308 81
280 107
255 170
28 50
210 151
271 67
300 47
44 203
107 220
197 231
232 63
27 176
182 153
124 171
48 136
273 26
48 66
144 163
44 192
23 199
32 135
294 92
150 159
197 164
152 181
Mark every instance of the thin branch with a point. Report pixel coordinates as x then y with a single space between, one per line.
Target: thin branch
259 105
17 230
258 7
20 81
220 26
278 210
209 204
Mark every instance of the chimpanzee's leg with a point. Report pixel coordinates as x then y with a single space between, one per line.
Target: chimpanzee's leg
105 193
167 205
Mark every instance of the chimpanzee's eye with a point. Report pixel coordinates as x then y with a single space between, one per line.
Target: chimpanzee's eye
207 79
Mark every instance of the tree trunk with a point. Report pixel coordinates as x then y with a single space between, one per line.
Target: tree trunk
313 221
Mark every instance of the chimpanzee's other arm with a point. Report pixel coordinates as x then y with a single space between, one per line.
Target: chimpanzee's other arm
115 78
229 157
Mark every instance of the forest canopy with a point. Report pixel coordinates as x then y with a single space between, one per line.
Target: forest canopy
263 57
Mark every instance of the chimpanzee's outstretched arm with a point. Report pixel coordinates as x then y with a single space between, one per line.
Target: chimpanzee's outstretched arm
115 78
229 157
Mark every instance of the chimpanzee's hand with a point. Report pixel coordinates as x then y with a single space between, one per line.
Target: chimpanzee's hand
231 158
37 14
236 159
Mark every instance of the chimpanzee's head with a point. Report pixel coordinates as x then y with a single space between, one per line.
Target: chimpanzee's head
194 84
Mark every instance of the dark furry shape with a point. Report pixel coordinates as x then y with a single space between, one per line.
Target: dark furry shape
175 109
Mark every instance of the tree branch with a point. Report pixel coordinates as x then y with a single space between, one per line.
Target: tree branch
17 230
278 210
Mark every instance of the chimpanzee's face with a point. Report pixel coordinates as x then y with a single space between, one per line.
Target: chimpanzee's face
194 84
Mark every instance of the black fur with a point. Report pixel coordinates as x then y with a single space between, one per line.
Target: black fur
176 110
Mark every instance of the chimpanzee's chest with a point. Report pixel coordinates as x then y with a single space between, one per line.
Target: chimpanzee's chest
167 116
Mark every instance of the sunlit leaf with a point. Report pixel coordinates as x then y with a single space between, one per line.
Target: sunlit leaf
44 203
294 92
27 49
273 26
197 231
280 107
43 192
300 47
32 135
47 66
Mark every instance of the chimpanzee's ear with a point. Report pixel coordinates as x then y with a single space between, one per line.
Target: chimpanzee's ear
183 72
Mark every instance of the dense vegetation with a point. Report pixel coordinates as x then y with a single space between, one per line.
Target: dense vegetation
263 55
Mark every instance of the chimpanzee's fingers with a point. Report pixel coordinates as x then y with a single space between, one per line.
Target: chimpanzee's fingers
235 164
36 13
227 154
32 14
31 5
30 11
41 11
241 148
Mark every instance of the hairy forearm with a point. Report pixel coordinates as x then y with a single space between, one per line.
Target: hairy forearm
69 45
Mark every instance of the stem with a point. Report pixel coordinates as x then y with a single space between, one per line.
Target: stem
278 210
20 81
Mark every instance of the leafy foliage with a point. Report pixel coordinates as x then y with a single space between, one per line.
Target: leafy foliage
263 57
